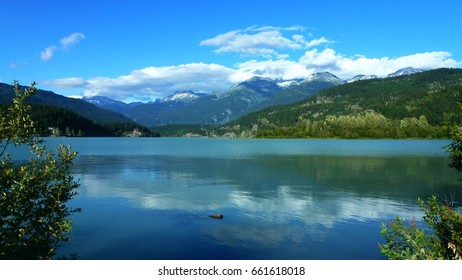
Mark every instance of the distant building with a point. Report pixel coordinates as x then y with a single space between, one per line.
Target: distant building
54 131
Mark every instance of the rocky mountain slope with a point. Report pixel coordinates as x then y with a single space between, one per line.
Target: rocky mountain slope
198 108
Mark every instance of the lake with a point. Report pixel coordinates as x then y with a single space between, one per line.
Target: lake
150 198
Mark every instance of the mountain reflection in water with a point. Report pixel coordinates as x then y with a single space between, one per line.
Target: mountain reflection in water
274 206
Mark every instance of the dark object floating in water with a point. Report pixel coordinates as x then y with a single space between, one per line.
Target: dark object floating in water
216 216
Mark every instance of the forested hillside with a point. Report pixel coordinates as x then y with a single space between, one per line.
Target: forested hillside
58 115
78 106
417 105
420 105
56 121
248 96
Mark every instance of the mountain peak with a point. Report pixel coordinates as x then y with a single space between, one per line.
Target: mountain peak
362 77
259 84
324 77
287 83
405 71
107 103
182 96
258 78
102 101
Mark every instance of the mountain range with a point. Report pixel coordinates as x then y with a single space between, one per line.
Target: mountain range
426 100
257 93
187 107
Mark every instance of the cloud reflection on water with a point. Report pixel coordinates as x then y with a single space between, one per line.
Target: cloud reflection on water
275 206
313 190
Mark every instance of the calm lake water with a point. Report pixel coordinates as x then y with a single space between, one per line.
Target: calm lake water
149 198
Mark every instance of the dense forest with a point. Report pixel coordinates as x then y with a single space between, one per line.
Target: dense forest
421 105
56 121
367 125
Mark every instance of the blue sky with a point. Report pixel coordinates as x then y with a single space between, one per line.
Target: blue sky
146 49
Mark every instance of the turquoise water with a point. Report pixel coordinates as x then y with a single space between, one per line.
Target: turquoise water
150 198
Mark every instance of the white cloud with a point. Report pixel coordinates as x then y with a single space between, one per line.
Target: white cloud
346 67
48 53
71 40
325 60
65 44
266 41
264 44
153 82
309 44
274 69
261 41
317 42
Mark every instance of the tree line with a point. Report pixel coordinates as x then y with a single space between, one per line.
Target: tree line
56 121
365 125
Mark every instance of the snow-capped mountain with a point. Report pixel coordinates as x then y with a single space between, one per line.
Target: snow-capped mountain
251 92
362 77
248 96
315 77
121 107
405 71
287 83
108 103
182 96
101 100
324 77
258 84
188 107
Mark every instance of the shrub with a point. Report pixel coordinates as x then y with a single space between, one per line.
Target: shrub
441 239
33 194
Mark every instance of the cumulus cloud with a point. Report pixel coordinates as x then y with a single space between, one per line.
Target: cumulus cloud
65 44
314 60
347 67
262 45
274 69
153 82
263 41
324 60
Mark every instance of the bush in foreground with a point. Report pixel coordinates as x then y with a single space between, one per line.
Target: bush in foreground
442 236
442 239
34 218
